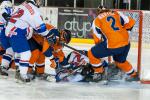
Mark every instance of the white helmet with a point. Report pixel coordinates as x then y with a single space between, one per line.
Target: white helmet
6 4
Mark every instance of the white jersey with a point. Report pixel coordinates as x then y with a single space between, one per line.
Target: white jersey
78 59
26 15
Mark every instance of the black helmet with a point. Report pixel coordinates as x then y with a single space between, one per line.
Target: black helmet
65 35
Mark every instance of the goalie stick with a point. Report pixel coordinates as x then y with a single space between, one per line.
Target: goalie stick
73 72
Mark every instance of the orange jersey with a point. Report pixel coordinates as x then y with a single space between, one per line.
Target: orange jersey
111 27
57 48
38 38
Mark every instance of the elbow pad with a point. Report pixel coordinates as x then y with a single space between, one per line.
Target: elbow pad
42 30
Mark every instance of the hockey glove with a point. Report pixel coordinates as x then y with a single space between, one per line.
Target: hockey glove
51 37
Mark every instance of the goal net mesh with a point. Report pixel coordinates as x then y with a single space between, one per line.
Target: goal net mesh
139 54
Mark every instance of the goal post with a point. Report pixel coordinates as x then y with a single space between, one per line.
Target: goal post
140 43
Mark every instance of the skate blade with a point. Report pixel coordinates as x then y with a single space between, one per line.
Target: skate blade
22 82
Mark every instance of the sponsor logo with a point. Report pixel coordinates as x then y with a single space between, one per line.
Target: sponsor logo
76 26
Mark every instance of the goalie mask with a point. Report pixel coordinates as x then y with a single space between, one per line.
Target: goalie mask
37 3
65 36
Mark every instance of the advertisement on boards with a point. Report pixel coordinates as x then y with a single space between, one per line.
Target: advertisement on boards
77 20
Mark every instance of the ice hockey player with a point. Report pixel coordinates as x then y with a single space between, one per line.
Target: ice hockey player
26 16
6 9
53 51
110 33
80 70
37 60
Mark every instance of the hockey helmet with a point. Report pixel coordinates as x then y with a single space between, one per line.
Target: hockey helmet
65 35
6 4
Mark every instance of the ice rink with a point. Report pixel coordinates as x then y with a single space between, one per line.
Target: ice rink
43 90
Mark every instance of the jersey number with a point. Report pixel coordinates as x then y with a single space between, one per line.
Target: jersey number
113 26
18 14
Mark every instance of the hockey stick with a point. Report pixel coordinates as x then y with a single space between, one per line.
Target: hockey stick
73 72
79 51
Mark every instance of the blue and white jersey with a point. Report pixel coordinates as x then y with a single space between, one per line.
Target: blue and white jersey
26 15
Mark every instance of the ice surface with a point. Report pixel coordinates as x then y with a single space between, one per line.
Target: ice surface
43 90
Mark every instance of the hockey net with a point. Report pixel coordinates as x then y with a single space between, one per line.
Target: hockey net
139 54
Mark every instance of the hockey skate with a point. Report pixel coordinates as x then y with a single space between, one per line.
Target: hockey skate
132 78
114 73
97 77
42 76
3 71
31 76
102 77
46 77
22 77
